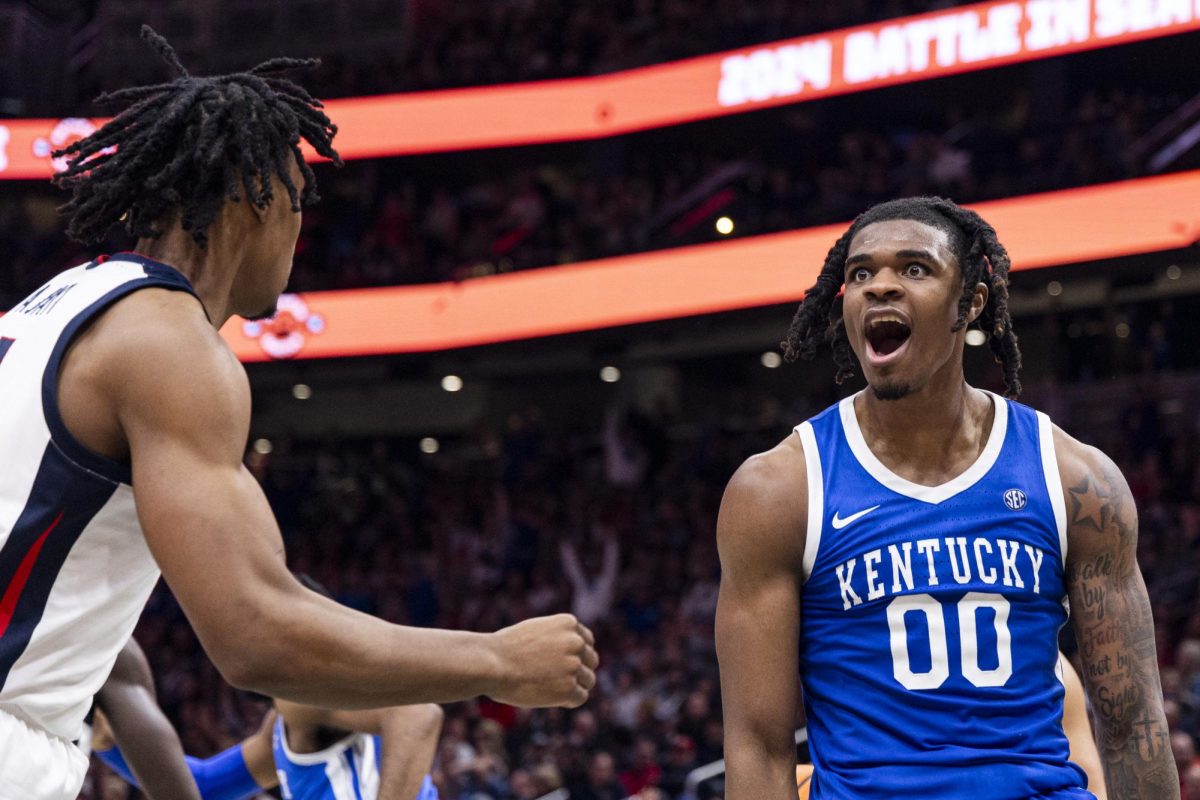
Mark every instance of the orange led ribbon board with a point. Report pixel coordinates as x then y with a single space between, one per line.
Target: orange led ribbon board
1072 226
903 50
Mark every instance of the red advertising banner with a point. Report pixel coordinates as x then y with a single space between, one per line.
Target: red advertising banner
903 50
1076 225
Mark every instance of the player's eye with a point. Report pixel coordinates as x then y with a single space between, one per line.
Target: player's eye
859 274
916 270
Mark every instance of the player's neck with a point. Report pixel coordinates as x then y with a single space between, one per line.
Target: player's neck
210 269
929 426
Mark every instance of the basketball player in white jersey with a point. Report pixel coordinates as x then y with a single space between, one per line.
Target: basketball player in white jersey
123 420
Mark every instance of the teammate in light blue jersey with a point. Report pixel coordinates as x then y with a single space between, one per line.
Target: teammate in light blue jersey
369 754
310 753
383 754
913 551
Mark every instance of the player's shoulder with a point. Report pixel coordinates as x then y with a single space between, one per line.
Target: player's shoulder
780 471
161 336
1079 462
768 494
159 317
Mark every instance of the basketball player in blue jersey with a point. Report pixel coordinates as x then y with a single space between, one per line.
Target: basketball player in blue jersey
123 421
1076 725
309 753
912 550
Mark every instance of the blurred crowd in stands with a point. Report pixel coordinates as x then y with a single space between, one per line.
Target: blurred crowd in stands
614 520
545 215
383 222
471 44
612 517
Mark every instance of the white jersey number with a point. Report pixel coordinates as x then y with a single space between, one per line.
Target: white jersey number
939 670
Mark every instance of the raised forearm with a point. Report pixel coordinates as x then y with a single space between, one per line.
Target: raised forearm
324 654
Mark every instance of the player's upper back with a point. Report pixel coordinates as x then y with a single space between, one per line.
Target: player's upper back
930 618
75 571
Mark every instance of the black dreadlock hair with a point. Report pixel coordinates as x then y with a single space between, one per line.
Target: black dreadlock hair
980 256
186 145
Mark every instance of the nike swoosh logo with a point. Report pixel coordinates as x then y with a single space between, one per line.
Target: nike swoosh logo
841 522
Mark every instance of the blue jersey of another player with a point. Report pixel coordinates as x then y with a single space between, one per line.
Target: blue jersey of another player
347 770
930 619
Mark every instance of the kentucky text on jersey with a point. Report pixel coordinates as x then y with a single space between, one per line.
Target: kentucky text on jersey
930 618
994 561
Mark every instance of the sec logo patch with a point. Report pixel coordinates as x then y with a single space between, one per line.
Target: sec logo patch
1015 499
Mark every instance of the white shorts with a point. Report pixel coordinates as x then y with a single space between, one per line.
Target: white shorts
37 766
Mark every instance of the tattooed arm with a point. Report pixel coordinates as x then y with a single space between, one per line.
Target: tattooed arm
1111 615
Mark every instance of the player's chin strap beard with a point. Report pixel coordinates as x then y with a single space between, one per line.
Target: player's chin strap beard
892 392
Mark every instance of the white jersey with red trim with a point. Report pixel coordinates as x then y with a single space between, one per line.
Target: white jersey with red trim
75 571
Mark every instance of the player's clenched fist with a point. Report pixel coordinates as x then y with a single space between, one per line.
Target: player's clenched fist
546 661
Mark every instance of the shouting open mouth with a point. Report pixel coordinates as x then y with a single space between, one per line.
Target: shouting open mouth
886 333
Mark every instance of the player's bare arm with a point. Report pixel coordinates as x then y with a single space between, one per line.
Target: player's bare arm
259 755
1078 728
149 742
408 739
1111 615
182 404
760 536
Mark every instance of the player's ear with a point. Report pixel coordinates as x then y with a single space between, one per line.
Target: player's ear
978 301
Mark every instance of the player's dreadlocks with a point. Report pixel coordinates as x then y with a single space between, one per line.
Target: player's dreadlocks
980 255
186 145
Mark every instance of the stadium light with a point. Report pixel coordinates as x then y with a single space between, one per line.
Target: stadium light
263 446
610 374
771 359
1054 288
452 383
301 391
429 445
976 337
724 226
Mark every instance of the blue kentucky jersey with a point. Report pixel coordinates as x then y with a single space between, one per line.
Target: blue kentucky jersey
930 618
347 770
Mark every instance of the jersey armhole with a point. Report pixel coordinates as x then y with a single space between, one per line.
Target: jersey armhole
107 468
816 497
318 757
1054 486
